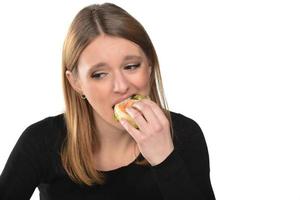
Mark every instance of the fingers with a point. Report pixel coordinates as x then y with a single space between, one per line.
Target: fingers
156 113
137 117
147 112
131 130
149 118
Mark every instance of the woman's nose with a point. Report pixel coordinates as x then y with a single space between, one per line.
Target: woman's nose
121 84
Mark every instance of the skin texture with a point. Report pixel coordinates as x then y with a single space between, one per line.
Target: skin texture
122 71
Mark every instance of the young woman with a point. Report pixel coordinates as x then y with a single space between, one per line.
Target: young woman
85 153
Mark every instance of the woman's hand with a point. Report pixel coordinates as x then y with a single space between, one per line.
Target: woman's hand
153 136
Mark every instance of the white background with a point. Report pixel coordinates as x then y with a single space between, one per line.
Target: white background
233 66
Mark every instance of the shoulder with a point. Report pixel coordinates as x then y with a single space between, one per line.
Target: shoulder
181 122
46 125
48 122
45 132
185 129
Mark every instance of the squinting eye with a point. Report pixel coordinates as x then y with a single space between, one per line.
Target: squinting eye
132 67
98 75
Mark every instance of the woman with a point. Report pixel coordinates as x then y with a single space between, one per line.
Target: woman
85 153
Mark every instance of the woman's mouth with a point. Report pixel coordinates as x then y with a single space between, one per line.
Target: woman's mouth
122 99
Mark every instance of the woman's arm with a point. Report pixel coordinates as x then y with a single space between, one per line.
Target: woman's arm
22 172
182 172
185 172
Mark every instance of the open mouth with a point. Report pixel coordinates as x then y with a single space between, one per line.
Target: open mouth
130 97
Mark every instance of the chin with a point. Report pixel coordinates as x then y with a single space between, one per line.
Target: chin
116 124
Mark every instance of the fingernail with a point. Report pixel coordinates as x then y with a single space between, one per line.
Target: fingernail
128 110
122 121
136 105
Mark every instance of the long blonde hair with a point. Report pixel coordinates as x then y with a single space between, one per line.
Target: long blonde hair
90 22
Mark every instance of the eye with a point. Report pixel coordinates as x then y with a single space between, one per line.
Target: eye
98 75
132 67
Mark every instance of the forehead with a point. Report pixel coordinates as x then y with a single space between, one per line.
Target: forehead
109 49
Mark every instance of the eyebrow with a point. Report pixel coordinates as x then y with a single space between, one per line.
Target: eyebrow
126 58
129 57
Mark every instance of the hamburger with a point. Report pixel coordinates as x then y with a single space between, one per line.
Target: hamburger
120 109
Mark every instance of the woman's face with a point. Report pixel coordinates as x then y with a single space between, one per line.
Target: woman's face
111 69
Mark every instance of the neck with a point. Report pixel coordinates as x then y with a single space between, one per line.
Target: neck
111 138
115 147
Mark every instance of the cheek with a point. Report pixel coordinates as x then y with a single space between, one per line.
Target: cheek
94 90
98 95
142 80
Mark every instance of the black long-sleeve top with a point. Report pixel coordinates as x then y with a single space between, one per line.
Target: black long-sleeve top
35 162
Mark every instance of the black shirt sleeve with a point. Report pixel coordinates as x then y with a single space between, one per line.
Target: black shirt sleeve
24 168
184 174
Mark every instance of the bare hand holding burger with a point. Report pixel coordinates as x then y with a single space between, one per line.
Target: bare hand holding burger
153 135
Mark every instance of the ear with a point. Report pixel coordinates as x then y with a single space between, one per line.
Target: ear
74 82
